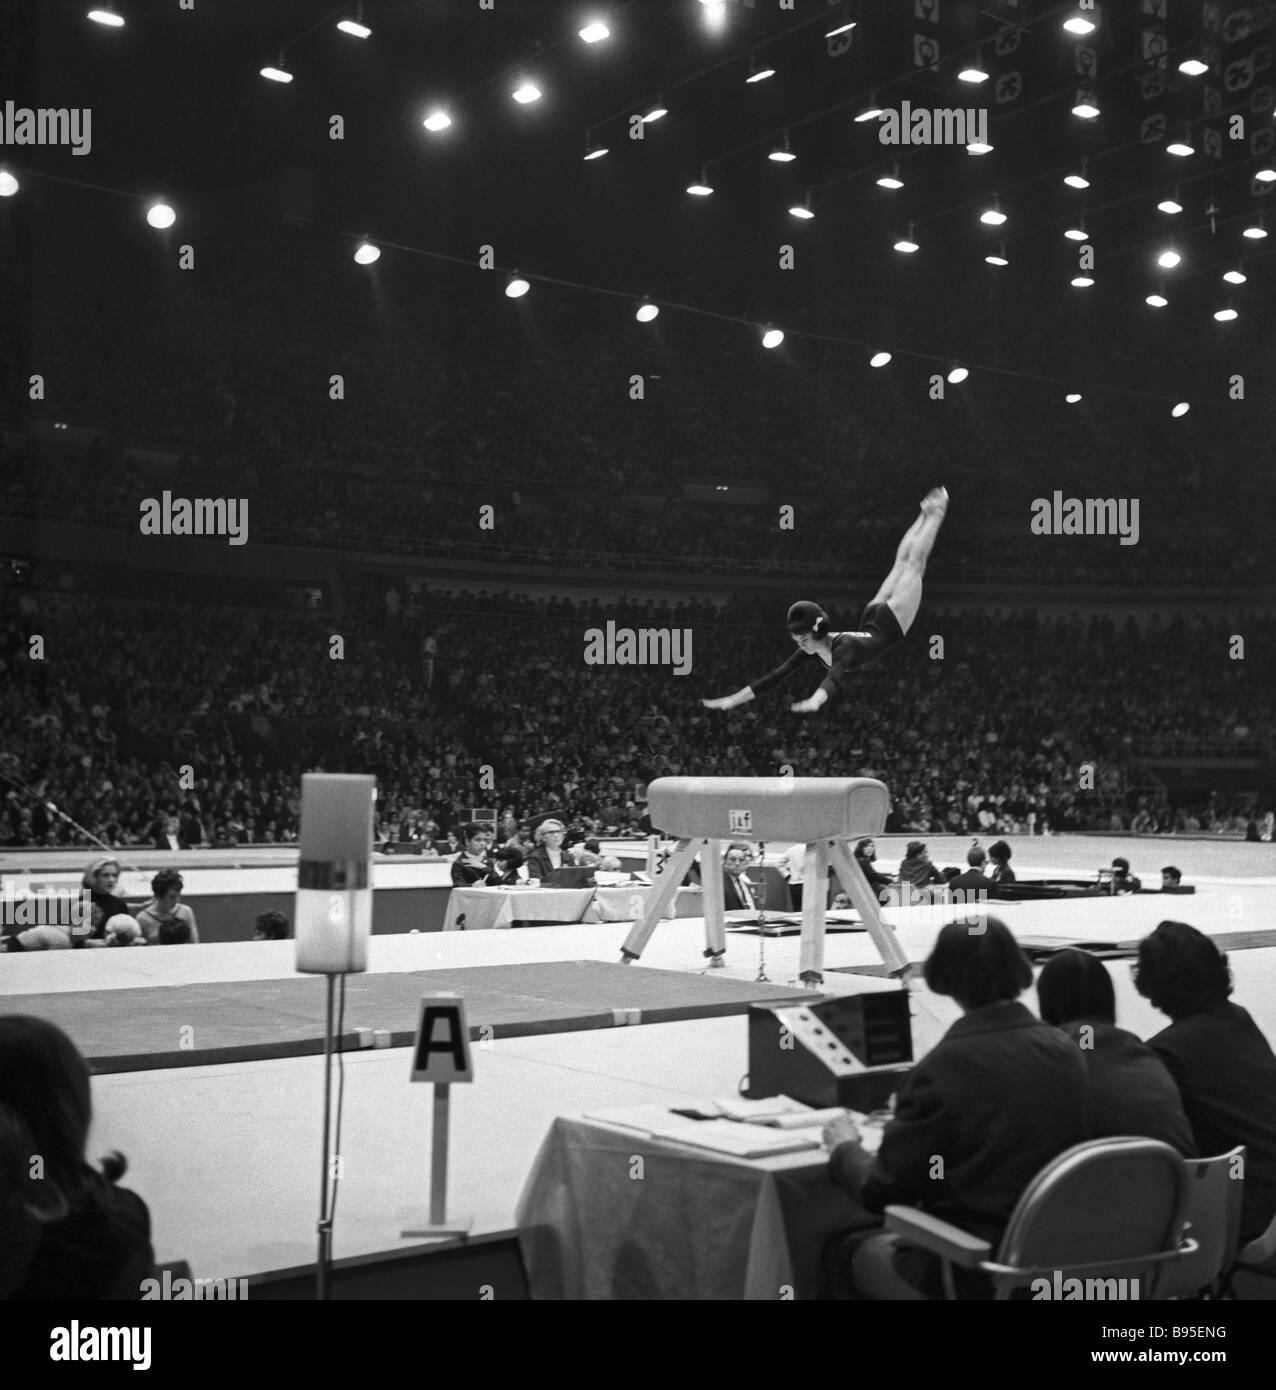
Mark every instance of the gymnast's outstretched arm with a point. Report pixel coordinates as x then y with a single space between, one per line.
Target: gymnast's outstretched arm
749 692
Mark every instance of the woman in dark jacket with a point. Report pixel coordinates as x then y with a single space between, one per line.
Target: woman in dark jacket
92 1239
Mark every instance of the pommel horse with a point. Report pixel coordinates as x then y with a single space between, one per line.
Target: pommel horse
823 812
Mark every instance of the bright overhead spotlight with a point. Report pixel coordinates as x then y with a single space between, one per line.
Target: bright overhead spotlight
1235 277
1180 410
997 257
160 215
107 17
802 210
879 359
1168 205
656 112
758 74
1076 234
8 184
1193 67
527 93
1082 282
594 151
646 311
1180 148
1086 105
978 147
974 73
276 74
841 29
595 33
1225 315
1255 231
958 374
1072 397
354 28
1156 301
1167 260
517 287
783 155
907 245
891 180
870 113
437 120
1077 180
1266 175
1077 25
772 338
992 217
367 254
700 188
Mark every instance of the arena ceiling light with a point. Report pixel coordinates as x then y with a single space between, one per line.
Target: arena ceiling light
9 185
974 73
1256 231
160 216
1079 25
772 337
436 121
1078 180
593 151
355 27
646 311
802 211
840 29
1193 67
978 147
1169 258
871 112
879 359
1225 314
526 93
998 257
993 216
108 18
1181 409
1081 282
656 112
1182 147
517 286
906 245
1072 397
1086 105
1076 234
1266 174
783 155
756 73
1170 206
957 373
366 254
278 74
891 180
595 32
700 188
1156 301
1233 277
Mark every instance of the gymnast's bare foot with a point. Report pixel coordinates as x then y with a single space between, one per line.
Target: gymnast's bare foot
935 503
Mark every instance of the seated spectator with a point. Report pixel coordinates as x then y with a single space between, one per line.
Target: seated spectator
999 855
1131 1092
270 926
101 879
473 865
1224 1066
738 894
100 1248
164 921
915 870
1123 881
974 880
1171 879
507 862
999 1096
548 854
865 855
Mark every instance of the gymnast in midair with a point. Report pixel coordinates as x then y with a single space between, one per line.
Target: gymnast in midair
883 623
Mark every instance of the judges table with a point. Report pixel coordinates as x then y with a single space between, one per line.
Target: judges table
613 1213
482 909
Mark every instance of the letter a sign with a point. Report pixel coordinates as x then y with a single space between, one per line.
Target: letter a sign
441 1053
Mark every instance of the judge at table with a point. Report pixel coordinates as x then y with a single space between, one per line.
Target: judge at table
473 865
548 854
737 892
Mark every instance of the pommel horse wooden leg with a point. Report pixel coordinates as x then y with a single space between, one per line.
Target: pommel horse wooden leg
675 870
815 892
853 880
715 930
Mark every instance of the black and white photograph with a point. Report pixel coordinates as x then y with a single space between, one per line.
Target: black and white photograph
650 629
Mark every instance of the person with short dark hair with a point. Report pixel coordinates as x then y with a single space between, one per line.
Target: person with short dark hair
1171 878
999 857
1130 1090
100 1248
473 865
1224 1066
973 880
998 1097
1123 881
916 869
865 856
507 861
164 921
270 926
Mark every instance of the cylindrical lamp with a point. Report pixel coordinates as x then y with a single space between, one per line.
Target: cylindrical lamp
334 881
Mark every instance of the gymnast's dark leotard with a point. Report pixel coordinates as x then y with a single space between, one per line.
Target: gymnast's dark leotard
879 630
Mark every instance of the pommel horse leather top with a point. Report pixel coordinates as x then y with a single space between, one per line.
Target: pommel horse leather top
820 812
771 809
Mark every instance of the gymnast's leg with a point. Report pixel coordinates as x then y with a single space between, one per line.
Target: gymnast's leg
902 587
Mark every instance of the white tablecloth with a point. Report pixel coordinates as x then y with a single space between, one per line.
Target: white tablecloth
485 908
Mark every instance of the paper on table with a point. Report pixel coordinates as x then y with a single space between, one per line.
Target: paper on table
741 1108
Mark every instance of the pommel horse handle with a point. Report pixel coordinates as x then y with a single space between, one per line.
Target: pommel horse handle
822 812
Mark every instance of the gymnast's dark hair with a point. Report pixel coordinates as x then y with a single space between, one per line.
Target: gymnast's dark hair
1180 971
805 616
977 963
1075 985
45 1082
